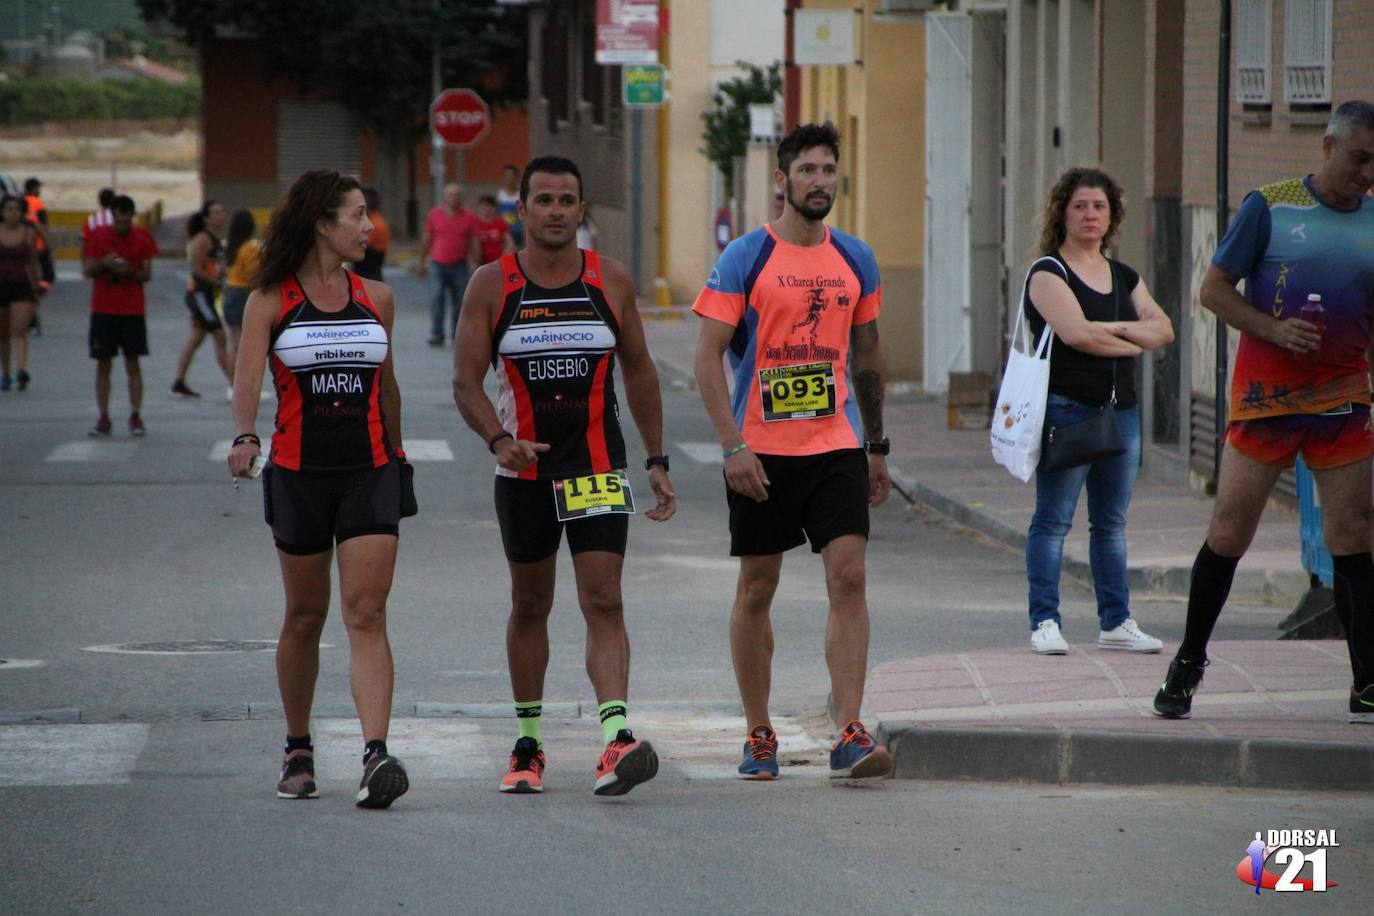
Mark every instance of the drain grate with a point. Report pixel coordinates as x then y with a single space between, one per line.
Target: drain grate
188 647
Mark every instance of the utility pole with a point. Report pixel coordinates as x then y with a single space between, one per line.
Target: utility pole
436 142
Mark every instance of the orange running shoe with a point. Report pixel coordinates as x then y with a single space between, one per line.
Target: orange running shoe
526 773
624 764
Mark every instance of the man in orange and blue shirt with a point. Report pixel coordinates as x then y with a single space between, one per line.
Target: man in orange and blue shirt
795 303
1301 386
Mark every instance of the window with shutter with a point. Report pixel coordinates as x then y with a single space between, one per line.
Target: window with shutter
1253 19
1307 52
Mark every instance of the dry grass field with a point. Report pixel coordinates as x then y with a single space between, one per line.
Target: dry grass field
147 162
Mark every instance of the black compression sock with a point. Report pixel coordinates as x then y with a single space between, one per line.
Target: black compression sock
1353 584
375 746
1212 576
299 743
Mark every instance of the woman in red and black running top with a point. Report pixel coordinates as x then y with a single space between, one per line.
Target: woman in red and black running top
204 251
337 474
19 278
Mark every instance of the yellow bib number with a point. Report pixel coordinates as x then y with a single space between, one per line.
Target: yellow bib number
594 494
797 392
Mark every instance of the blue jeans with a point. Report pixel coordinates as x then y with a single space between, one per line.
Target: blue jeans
1056 497
450 278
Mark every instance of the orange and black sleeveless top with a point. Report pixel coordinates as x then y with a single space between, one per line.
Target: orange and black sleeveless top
554 355
327 371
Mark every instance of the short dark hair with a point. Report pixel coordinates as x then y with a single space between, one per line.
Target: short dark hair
487 199
550 165
122 203
802 138
106 197
1053 222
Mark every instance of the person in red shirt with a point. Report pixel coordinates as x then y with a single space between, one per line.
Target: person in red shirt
493 232
450 242
119 259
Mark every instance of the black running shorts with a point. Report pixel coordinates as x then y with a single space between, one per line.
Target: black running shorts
531 531
309 513
815 498
16 292
113 334
202 307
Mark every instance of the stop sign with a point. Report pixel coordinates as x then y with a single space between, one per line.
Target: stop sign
460 117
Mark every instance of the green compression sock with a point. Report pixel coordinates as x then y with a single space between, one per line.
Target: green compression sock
612 714
528 719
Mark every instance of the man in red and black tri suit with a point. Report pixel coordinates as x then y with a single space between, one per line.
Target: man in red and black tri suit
551 321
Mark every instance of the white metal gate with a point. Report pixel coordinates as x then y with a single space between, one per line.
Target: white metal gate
947 321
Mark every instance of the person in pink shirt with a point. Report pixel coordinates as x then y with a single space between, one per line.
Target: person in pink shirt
796 305
450 243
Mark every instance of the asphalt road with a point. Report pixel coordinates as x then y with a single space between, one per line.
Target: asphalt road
151 788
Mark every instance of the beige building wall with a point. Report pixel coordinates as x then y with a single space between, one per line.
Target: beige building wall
879 107
686 253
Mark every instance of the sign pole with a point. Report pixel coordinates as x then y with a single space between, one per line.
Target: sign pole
436 148
636 196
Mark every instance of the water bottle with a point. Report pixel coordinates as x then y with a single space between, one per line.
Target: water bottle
1313 312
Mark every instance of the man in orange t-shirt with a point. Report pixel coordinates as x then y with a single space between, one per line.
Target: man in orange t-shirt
380 239
796 305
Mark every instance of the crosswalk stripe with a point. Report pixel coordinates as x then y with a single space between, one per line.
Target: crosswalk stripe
702 452
428 450
70 755
219 452
694 746
92 451
416 450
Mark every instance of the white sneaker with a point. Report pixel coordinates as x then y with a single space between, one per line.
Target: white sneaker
1128 637
1046 639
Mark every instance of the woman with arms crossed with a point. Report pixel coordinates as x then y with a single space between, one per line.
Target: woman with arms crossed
336 470
1103 316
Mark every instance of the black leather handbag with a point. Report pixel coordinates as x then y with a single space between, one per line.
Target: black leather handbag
1092 439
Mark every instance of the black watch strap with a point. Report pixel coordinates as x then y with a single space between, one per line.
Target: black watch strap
878 446
659 460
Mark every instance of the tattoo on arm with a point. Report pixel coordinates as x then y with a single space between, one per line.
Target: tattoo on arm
868 391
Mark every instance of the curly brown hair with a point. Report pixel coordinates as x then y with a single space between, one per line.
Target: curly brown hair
1052 216
290 234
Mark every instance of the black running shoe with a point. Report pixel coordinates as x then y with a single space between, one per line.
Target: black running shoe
1175 697
384 781
1362 706
298 776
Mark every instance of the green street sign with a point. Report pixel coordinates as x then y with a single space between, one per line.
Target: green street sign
642 85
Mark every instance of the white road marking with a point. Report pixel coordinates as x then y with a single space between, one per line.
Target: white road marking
428 450
8 663
70 755
92 451
702 452
220 451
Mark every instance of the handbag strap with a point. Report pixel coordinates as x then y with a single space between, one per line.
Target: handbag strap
1042 348
1116 316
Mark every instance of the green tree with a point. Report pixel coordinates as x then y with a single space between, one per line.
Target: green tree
374 57
727 120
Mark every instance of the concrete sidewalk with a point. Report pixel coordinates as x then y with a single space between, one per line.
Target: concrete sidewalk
1270 713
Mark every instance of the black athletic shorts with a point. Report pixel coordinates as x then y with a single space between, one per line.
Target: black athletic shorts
309 513
531 531
113 334
16 292
202 307
810 497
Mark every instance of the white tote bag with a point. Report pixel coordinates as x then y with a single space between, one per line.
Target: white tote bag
1019 417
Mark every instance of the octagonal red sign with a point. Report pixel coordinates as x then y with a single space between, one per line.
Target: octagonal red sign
460 117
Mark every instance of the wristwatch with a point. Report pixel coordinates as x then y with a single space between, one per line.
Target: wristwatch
660 460
879 446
